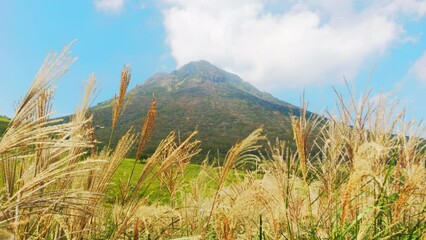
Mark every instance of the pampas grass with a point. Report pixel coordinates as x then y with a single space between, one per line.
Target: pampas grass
359 173
120 103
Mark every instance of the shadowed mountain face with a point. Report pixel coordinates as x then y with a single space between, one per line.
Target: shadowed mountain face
220 104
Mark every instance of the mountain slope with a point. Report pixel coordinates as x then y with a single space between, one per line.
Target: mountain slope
223 106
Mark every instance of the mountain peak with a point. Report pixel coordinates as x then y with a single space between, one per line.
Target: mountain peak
204 70
201 74
200 65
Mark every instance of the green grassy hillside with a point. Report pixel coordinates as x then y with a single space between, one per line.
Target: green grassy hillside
4 121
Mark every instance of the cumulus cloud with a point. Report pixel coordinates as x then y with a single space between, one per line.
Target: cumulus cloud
110 6
275 44
419 68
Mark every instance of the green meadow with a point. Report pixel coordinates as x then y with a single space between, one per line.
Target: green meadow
156 191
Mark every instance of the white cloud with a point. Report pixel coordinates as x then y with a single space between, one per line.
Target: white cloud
276 45
110 6
419 68
416 8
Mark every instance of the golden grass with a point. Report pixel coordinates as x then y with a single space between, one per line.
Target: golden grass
359 174
120 104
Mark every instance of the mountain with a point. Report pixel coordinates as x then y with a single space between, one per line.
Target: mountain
224 107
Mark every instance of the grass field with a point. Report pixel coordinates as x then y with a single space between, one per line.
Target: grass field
365 180
156 192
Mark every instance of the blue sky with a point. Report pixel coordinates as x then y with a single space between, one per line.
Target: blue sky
283 47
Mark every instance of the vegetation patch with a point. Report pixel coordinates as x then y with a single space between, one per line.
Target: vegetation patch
4 122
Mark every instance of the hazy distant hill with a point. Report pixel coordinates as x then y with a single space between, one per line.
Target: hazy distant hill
223 106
